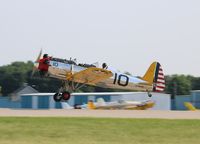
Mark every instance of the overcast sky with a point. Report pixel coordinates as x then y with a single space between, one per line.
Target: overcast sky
127 34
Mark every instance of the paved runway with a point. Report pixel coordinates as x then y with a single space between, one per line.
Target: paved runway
102 113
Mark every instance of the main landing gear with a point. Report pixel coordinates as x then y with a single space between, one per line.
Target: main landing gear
64 96
64 93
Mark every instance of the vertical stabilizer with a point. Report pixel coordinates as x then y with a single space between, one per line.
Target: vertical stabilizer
155 76
90 105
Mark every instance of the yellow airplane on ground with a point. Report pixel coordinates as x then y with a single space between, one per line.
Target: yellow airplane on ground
121 104
190 106
75 76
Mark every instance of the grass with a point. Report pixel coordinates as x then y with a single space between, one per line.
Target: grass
97 131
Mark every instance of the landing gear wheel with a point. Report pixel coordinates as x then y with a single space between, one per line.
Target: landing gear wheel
57 97
150 95
66 95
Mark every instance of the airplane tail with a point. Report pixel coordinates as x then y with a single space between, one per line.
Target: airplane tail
189 106
155 76
90 105
101 102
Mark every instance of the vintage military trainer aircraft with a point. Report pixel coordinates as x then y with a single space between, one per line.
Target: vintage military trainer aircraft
75 76
120 104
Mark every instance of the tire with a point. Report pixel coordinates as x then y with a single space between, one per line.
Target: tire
57 97
150 95
66 96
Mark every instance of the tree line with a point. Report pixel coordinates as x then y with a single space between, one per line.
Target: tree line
14 75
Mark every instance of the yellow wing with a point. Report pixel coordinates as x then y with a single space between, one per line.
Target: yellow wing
90 76
189 106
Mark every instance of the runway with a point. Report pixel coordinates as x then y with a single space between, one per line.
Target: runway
101 113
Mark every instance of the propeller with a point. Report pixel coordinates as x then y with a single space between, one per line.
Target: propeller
36 63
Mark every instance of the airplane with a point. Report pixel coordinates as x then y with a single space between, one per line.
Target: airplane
74 76
190 106
120 104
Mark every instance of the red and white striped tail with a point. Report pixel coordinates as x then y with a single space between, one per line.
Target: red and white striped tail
159 79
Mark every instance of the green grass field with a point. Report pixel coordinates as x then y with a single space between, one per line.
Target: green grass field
98 131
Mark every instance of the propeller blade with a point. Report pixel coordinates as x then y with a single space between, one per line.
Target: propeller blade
36 63
39 56
33 71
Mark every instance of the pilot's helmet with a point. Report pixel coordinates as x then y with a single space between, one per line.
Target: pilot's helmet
104 66
45 56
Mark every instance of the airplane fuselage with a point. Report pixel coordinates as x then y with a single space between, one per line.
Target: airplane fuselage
118 80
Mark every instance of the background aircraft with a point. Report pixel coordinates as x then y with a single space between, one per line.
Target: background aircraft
75 76
121 104
190 106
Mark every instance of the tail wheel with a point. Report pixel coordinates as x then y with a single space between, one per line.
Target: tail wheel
149 94
66 96
57 97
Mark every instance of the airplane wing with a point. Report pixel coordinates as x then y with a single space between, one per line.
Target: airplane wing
91 76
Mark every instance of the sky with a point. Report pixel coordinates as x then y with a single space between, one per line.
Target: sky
126 34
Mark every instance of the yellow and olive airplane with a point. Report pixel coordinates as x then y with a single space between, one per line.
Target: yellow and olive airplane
120 104
75 76
190 106
114 105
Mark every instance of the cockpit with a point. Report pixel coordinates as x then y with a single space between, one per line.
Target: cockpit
65 61
73 61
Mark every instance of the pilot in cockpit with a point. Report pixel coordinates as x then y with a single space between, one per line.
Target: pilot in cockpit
104 66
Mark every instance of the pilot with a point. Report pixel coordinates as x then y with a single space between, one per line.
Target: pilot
104 66
44 65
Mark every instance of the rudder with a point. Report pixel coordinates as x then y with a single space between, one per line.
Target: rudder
155 76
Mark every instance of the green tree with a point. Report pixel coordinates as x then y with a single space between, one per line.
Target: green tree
44 84
13 76
178 85
195 83
0 90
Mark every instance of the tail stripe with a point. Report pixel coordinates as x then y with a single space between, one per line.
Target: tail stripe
160 85
159 80
161 76
158 89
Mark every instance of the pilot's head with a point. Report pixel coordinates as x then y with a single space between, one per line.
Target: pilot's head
45 56
104 66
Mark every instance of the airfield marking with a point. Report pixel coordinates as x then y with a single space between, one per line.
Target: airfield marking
102 113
